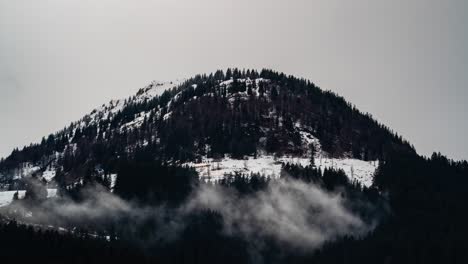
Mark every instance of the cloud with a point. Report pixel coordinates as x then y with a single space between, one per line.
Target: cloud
300 215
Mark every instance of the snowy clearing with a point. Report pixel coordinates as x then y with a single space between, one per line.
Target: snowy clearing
214 170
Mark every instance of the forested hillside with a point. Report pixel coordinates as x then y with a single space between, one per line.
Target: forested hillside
236 113
232 167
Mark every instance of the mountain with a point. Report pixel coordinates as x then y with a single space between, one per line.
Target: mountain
236 166
223 120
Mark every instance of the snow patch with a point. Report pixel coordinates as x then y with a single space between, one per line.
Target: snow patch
214 170
113 178
49 175
7 197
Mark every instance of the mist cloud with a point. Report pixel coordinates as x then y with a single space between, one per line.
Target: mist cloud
299 214
292 212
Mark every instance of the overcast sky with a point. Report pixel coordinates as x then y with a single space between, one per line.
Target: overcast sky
404 61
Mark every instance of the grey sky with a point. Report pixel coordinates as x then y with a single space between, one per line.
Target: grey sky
404 61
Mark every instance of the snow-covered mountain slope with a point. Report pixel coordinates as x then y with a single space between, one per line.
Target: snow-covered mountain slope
238 122
106 111
356 170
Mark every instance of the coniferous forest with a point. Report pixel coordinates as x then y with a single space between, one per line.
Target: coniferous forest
159 210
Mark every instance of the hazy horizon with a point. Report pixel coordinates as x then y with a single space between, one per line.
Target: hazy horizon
404 62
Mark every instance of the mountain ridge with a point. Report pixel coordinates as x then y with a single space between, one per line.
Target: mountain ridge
257 112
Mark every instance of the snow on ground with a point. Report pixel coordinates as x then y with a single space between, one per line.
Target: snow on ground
51 193
113 178
356 170
137 122
157 88
7 196
114 106
213 170
25 169
48 175
270 166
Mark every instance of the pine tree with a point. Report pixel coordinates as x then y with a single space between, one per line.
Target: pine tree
312 154
15 196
